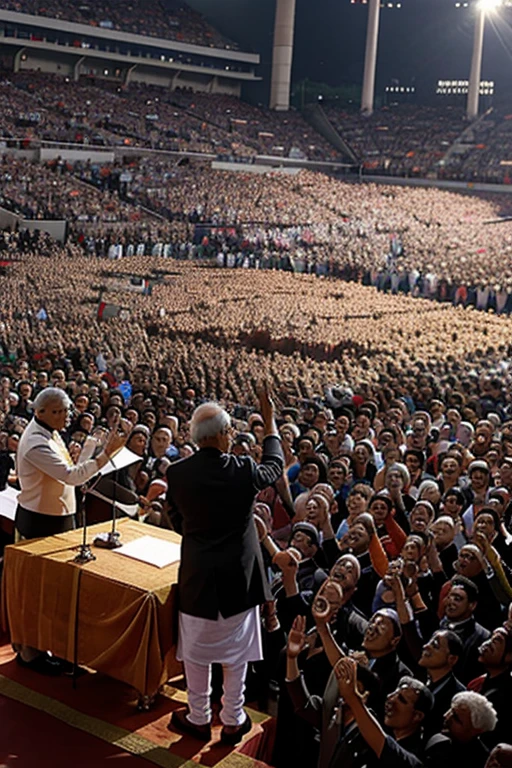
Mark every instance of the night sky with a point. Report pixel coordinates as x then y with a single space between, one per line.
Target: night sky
424 41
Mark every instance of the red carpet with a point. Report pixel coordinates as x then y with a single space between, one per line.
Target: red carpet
45 718
29 739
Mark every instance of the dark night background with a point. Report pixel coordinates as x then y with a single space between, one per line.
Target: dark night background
424 41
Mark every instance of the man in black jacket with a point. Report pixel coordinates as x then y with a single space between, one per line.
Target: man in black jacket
439 657
460 604
405 710
496 685
221 579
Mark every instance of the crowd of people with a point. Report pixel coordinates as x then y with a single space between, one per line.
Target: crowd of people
484 151
429 243
41 107
400 140
403 140
424 242
428 142
171 21
387 537
387 540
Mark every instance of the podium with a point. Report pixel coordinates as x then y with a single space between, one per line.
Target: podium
126 609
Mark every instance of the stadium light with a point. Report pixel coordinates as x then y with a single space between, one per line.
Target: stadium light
489 5
484 7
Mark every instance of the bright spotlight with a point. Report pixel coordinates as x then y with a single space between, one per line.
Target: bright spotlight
490 5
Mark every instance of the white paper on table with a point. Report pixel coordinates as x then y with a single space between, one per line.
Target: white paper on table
124 458
8 502
152 550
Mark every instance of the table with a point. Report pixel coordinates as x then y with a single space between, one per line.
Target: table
126 613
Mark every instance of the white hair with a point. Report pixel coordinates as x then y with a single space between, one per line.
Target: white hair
426 485
399 467
208 420
50 395
445 519
483 715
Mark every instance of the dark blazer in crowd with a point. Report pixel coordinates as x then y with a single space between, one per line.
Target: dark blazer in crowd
340 745
442 751
498 690
443 692
472 635
210 498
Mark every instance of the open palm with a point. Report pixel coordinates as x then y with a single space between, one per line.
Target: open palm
296 637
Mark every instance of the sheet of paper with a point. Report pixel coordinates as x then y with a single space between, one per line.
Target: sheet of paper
122 459
151 550
128 509
8 502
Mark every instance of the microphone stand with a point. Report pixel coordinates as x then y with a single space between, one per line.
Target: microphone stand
111 540
85 554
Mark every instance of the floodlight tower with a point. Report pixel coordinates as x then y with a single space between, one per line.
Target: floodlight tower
370 58
282 55
483 8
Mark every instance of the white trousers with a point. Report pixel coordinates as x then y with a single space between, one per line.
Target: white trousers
199 690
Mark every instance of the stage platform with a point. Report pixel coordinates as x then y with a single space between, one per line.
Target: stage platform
45 722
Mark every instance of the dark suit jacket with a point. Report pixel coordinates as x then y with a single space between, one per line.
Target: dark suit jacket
210 498
472 635
444 691
339 745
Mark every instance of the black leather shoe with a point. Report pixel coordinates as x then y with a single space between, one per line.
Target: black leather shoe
180 722
234 737
43 664
68 668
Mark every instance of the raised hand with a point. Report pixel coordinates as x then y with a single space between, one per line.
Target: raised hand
265 403
287 560
508 623
115 441
481 540
261 528
360 657
346 675
296 637
327 602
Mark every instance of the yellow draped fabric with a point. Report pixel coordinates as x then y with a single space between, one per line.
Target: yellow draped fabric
126 608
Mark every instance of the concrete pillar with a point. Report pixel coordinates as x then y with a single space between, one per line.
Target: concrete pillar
283 55
17 59
370 58
128 75
476 66
76 68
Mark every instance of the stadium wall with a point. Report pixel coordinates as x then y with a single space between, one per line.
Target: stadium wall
456 186
75 155
57 229
39 61
219 165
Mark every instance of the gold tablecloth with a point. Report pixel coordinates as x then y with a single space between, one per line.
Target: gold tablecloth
126 624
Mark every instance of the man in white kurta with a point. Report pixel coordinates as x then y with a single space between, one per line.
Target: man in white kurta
222 580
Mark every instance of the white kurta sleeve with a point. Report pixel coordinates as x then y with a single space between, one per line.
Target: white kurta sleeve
51 463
